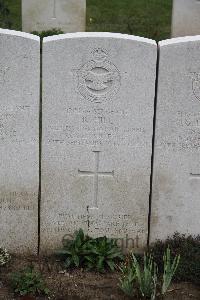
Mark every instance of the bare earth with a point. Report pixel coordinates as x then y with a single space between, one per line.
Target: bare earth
81 285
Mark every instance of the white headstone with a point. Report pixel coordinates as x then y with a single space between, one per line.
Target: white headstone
176 180
41 15
185 18
98 107
19 140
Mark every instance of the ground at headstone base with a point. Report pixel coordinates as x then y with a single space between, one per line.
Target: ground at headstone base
79 284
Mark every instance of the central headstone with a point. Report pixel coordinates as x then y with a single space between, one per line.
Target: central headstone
98 103
41 15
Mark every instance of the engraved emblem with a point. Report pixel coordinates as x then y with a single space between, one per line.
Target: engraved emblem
3 71
98 79
196 85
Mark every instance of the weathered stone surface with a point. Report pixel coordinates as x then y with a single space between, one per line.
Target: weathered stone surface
39 15
19 133
185 17
176 180
98 103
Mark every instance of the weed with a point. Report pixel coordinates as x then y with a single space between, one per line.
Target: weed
128 277
146 276
141 277
91 253
28 282
53 31
74 251
169 269
189 249
102 253
4 257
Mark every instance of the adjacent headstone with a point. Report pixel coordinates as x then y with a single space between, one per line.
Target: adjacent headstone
185 18
19 141
42 15
98 105
176 179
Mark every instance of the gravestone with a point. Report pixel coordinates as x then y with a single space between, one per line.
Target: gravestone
67 15
19 135
98 103
185 18
176 180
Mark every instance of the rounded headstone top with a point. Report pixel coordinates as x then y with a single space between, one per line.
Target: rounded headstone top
19 34
99 35
178 40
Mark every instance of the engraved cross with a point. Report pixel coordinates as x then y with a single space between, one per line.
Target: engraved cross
54 9
96 175
192 175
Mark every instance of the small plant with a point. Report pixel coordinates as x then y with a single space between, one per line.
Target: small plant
169 269
4 257
28 282
189 249
50 32
90 253
134 277
128 278
146 277
143 277
126 285
102 253
74 250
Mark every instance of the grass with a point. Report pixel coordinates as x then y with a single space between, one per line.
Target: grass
148 18
15 13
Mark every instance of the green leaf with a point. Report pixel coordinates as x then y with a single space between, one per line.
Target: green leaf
76 260
46 291
28 281
68 262
115 255
100 263
90 252
111 264
62 252
89 258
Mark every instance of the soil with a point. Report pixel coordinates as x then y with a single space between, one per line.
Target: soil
79 284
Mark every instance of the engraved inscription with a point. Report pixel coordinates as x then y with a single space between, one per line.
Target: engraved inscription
187 127
117 224
96 175
98 79
97 126
188 119
196 85
17 201
10 130
112 225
